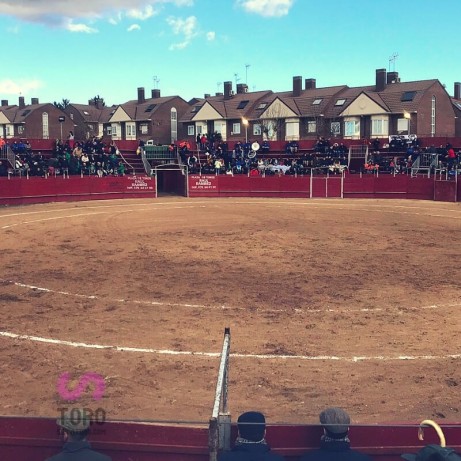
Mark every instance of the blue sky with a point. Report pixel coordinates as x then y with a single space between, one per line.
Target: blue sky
55 49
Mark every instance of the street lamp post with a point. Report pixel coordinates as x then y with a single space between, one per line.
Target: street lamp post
61 119
245 123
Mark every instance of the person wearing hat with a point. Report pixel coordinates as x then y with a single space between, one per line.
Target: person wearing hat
251 443
334 443
75 427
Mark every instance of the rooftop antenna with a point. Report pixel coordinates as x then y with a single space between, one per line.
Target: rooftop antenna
246 73
237 78
156 82
392 60
218 84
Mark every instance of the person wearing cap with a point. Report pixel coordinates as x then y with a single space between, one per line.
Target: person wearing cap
251 443
75 427
334 443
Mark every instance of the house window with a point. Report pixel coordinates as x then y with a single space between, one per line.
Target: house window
199 129
403 125
9 129
379 126
433 116
335 128
190 130
174 124
257 131
114 129
109 130
130 130
312 126
352 128
262 105
45 126
71 116
20 129
408 96
316 102
292 130
243 104
143 128
340 102
236 128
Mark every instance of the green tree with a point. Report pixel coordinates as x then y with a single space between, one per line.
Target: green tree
62 105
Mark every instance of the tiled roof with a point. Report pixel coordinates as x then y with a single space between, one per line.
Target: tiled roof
89 112
232 108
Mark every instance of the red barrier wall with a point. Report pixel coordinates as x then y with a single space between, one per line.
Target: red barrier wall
37 439
20 191
367 186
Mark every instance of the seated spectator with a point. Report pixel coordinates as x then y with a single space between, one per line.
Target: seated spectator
335 444
251 443
3 168
75 427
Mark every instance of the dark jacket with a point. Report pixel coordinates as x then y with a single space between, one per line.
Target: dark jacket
250 452
335 451
78 451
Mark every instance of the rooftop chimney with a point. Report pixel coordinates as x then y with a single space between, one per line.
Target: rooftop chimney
22 104
310 84
380 79
34 101
141 96
206 95
218 94
297 85
242 88
227 90
155 93
4 102
456 96
392 77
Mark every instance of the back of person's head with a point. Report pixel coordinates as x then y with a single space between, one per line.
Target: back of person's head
75 424
252 426
335 422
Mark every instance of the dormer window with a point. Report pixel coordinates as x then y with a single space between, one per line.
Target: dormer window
340 102
316 102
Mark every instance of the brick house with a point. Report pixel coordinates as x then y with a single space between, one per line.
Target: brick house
33 121
388 107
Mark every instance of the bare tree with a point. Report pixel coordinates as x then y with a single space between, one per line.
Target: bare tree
272 121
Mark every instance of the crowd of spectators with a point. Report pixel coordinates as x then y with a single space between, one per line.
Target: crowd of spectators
92 157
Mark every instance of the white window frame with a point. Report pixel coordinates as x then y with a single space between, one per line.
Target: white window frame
109 130
403 125
257 129
236 128
312 126
45 126
380 125
190 130
9 130
433 114
335 128
174 124
352 127
130 128
20 129
144 128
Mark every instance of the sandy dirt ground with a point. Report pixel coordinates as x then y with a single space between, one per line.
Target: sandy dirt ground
330 302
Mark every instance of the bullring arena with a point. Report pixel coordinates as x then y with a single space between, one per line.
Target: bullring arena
354 303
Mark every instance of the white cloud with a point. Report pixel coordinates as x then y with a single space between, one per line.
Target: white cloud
134 27
22 87
210 36
267 8
71 27
58 13
185 27
140 14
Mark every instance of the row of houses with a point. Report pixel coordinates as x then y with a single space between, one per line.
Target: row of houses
388 107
